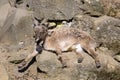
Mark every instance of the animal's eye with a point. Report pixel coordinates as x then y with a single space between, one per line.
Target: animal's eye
33 36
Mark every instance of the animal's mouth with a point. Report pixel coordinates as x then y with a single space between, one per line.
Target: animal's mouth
36 40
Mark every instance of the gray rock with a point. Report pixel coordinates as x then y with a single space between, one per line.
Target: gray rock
8 23
111 8
64 9
83 22
19 29
108 32
47 62
104 29
17 3
53 9
93 7
117 58
2 2
4 11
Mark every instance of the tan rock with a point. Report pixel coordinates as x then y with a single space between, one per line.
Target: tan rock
117 58
3 73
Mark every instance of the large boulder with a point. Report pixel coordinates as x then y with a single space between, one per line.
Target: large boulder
17 27
93 7
105 30
53 9
48 64
83 22
111 7
4 11
108 32
2 2
22 26
63 9
16 32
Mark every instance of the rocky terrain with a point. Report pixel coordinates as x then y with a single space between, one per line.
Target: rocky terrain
100 18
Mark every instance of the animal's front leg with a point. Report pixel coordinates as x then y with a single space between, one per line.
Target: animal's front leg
30 56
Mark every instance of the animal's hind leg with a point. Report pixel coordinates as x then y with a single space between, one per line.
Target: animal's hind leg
94 55
78 51
61 58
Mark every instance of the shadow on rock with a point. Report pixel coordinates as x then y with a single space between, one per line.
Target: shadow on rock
27 66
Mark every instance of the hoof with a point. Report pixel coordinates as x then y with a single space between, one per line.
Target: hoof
21 65
98 65
64 65
80 60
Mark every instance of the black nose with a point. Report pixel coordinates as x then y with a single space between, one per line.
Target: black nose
33 25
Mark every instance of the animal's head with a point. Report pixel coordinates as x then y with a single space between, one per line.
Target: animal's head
40 29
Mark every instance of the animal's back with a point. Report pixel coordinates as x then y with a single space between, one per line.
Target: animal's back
64 38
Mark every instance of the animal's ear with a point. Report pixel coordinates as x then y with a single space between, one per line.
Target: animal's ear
35 22
44 21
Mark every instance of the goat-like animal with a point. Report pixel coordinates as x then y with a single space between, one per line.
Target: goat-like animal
66 39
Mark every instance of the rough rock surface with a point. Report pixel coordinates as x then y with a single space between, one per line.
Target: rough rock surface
105 29
17 26
48 63
108 32
111 7
2 2
83 22
16 40
4 11
3 73
64 9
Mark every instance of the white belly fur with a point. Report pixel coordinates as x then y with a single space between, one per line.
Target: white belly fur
78 48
